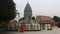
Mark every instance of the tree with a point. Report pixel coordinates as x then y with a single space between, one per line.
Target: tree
56 19
58 25
33 18
7 10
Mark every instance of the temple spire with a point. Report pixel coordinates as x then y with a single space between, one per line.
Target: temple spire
28 13
27 5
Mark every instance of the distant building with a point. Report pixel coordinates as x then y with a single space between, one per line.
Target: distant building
39 23
13 25
13 22
28 14
45 22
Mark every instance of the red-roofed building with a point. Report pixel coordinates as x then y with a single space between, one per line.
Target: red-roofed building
45 22
14 22
13 25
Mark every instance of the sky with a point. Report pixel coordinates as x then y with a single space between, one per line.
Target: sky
39 7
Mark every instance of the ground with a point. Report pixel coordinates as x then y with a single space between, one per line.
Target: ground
54 31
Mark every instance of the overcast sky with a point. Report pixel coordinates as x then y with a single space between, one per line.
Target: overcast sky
40 7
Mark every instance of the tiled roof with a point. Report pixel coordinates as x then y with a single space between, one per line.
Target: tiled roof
13 22
44 19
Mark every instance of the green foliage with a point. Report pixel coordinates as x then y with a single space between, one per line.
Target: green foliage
56 19
21 19
7 10
33 18
58 25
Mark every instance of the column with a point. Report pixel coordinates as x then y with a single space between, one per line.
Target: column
49 26
38 26
25 26
12 27
45 26
29 27
35 26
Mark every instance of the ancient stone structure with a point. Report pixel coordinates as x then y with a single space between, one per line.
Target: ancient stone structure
27 14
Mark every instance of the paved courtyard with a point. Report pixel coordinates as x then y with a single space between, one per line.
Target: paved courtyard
54 31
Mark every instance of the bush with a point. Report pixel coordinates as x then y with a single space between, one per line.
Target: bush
58 25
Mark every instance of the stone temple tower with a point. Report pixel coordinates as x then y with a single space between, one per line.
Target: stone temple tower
27 14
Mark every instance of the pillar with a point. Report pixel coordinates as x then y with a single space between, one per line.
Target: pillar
29 27
49 26
35 26
38 26
46 26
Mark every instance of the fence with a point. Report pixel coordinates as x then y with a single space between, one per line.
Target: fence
16 27
32 27
26 27
9 28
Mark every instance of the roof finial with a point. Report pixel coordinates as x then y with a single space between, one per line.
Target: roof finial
27 1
